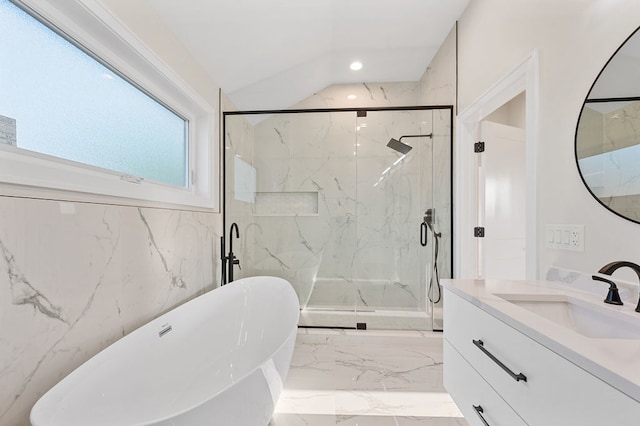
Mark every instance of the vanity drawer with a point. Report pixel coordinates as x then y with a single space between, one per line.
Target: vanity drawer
469 390
555 390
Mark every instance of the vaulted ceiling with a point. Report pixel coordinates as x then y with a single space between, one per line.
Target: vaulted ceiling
269 54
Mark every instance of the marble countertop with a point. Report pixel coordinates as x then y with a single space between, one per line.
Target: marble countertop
615 361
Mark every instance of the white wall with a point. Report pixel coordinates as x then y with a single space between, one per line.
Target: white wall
575 38
438 83
140 18
76 276
512 113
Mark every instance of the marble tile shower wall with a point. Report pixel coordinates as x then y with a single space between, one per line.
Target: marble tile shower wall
308 152
239 143
315 153
76 277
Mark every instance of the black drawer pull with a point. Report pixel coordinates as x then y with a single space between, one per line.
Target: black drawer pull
516 377
479 412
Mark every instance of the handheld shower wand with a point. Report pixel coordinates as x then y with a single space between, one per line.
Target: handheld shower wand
428 220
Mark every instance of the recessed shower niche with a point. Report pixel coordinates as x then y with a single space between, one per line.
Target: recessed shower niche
335 201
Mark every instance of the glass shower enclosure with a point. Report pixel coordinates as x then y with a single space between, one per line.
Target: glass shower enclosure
351 206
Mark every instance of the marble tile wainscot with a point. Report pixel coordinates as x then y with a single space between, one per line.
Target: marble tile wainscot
75 277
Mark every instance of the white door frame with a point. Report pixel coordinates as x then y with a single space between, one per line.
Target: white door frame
523 78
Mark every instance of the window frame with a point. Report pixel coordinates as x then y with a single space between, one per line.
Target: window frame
92 28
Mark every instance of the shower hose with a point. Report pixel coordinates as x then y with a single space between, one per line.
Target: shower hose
434 282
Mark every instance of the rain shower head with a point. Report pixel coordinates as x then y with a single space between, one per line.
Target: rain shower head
396 145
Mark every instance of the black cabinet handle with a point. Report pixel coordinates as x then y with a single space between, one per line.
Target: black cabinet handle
516 377
479 412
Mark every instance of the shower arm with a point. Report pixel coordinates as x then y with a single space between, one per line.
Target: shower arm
430 135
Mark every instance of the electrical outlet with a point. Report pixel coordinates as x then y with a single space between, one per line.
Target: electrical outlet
576 237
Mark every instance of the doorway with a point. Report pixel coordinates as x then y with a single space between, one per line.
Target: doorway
469 258
501 202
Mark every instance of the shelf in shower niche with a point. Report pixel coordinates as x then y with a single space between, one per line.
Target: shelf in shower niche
286 204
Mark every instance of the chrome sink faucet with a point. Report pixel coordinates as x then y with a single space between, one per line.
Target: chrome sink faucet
609 269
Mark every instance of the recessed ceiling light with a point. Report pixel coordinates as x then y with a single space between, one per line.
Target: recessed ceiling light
356 65
351 97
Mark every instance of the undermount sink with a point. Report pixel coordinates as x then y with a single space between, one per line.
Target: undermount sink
582 317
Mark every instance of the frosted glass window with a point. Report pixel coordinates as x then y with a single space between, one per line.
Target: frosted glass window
63 102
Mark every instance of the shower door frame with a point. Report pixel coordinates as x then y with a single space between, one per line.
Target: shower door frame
358 111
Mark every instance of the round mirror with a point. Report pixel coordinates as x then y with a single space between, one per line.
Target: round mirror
608 133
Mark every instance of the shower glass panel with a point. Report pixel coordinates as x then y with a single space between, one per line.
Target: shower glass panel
394 189
322 201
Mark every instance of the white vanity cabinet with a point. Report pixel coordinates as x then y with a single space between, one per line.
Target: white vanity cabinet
517 380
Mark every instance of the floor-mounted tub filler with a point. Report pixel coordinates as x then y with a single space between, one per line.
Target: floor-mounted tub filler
220 359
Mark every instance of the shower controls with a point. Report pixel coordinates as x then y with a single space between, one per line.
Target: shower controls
434 292
428 216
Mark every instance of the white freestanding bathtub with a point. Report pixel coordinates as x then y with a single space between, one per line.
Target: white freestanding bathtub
220 359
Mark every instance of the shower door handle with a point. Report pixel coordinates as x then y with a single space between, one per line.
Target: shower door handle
424 232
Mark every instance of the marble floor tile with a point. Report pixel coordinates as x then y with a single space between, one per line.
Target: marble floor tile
357 378
399 421
328 420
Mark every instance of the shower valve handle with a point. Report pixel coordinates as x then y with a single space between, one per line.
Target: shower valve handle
423 234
